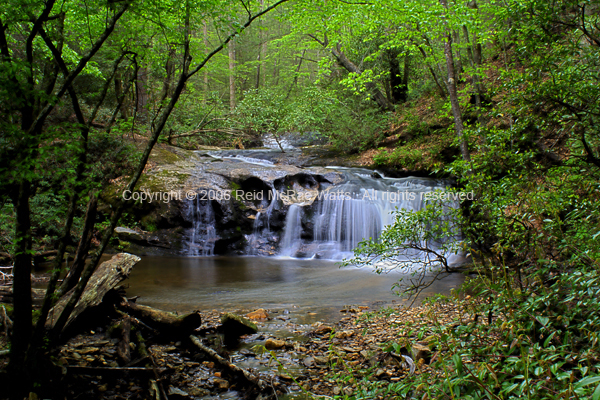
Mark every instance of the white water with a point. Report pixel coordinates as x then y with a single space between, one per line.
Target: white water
202 236
351 212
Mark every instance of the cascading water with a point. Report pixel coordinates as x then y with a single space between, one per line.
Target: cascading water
261 231
348 213
202 236
291 240
351 205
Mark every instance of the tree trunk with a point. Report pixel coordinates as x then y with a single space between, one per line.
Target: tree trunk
295 81
120 95
453 92
379 97
475 76
398 78
231 49
83 248
22 327
434 75
205 77
167 90
142 94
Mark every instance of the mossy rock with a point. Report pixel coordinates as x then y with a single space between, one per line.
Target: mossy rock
234 325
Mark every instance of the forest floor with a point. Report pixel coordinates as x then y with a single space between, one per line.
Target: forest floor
321 359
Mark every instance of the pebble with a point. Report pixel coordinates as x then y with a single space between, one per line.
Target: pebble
274 344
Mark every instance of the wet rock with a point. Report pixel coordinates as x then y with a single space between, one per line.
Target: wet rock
234 326
420 352
343 334
221 383
322 330
258 315
308 361
321 360
176 393
247 353
274 344
198 392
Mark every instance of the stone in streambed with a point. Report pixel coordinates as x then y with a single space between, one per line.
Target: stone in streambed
258 315
274 344
322 330
234 325
176 393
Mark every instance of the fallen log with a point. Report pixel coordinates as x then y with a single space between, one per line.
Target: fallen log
163 321
108 275
123 349
244 374
118 371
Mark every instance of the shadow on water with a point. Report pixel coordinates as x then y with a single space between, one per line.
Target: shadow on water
231 283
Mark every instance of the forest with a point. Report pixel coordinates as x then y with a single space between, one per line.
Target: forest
502 98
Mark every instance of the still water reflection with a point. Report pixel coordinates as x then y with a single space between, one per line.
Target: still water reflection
229 283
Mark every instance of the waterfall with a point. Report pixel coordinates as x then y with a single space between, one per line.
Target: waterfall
291 240
261 230
356 210
202 236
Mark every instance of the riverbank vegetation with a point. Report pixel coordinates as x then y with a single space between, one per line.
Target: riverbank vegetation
502 97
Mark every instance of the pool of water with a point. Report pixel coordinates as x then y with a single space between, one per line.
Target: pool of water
318 287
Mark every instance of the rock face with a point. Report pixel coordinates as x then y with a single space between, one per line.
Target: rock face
196 203
230 202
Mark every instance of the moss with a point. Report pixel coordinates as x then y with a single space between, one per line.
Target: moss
149 223
424 153
164 156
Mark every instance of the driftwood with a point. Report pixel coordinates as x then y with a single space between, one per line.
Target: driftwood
5 320
123 349
108 275
163 321
76 369
244 374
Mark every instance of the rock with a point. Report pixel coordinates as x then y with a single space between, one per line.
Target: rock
321 360
234 325
221 383
274 344
285 377
176 393
144 239
198 392
336 391
343 334
322 330
308 361
420 352
258 315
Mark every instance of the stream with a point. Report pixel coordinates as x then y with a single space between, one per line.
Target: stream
310 290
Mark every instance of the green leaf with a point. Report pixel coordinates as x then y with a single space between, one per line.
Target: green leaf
596 395
588 380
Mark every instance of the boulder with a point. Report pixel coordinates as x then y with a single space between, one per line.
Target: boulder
234 325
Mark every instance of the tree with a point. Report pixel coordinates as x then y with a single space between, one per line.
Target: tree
39 68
